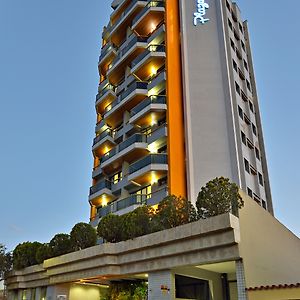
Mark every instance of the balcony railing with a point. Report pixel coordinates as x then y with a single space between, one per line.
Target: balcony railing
107 132
146 102
150 4
151 48
100 186
132 4
135 85
148 160
108 47
109 87
136 138
123 52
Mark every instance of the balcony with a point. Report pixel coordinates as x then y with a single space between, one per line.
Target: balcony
149 169
149 62
149 17
103 142
135 92
124 20
135 46
108 53
149 111
100 193
131 202
105 96
129 150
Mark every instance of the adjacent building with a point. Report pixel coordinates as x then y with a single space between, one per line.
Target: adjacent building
176 105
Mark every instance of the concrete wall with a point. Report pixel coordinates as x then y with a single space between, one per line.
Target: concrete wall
276 294
86 292
271 253
210 133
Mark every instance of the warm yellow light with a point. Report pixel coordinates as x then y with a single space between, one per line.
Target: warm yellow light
152 26
108 107
154 178
106 150
153 120
152 148
104 201
153 71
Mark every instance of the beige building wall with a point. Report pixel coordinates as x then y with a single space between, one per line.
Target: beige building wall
276 294
86 292
270 252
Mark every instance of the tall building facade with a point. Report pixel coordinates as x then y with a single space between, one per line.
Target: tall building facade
176 106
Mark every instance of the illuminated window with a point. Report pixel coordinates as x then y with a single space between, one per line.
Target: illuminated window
145 191
117 177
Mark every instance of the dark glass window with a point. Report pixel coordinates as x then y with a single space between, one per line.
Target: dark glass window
191 288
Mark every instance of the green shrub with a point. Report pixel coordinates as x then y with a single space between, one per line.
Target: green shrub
217 197
109 228
43 253
60 245
24 255
83 236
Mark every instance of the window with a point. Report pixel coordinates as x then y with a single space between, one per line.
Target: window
238 54
234 65
248 85
257 154
146 191
191 288
230 24
250 193
251 106
234 17
245 65
264 204
116 178
244 140
261 179
237 88
232 44
228 5
243 46
241 28
247 166
241 112
244 97
254 129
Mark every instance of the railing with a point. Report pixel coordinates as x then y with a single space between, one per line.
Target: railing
109 87
105 50
107 132
122 53
135 85
151 48
136 199
146 102
150 4
150 159
132 4
109 155
136 138
100 186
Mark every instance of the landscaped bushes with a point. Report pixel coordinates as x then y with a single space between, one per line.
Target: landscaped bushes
28 254
217 197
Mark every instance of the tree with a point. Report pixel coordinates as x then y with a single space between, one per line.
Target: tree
5 261
60 245
43 253
217 197
136 223
109 228
24 255
174 211
83 235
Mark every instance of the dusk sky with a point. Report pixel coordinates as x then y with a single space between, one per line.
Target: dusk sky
48 83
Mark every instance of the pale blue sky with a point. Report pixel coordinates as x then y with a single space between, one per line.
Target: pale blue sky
48 82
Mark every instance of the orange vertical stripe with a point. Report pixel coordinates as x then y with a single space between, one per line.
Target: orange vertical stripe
175 118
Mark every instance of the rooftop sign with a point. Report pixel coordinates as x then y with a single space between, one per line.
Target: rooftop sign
199 15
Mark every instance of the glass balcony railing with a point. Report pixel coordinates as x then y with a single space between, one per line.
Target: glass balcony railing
150 159
100 186
124 51
135 85
109 155
150 4
107 132
124 13
109 87
146 102
108 47
151 48
136 138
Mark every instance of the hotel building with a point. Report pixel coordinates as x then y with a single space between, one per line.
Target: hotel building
176 106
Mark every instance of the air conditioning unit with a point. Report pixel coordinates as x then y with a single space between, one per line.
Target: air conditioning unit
61 297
